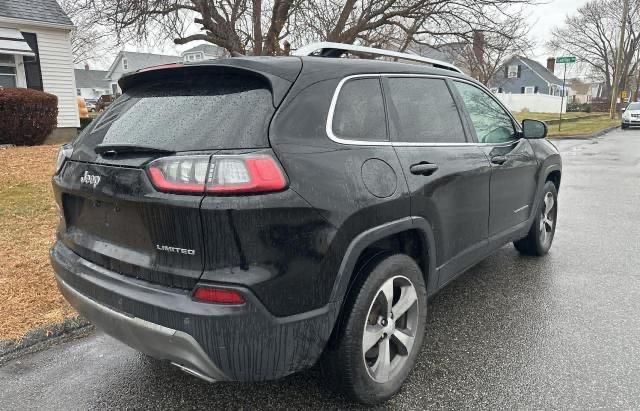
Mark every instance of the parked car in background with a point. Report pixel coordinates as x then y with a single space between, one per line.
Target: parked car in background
103 102
247 218
631 115
82 108
91 104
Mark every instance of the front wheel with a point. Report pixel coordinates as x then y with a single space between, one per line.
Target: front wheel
538 240
382 333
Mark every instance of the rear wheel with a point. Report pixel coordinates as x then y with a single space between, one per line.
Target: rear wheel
538 240
382 333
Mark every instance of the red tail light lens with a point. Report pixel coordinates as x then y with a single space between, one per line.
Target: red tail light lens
179 174
245 174
237 174
218 296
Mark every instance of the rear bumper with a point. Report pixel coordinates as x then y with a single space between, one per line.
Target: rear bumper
221 343
152 339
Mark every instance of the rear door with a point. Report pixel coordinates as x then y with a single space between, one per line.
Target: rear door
513 161
113 215
448 177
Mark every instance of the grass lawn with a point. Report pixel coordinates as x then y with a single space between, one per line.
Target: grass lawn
588 123
28 217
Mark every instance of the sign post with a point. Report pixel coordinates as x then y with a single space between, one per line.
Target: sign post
564 60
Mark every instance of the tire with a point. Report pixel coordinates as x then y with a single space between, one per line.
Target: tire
624 126
538 242
361 373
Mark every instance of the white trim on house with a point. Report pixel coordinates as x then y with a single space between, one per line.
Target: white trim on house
12 20
529 90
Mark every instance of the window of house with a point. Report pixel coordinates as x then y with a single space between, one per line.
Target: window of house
198 56
529 90
512 71
7 71
426 112
359 111
125 64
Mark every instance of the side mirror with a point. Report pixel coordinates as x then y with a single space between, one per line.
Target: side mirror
534 129
624 109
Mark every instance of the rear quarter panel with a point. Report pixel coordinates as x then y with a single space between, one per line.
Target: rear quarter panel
348 194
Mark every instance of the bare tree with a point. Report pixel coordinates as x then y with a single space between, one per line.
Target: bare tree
89 40
591 35
485 55
259 26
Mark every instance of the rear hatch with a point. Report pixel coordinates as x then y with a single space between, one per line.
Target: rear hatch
114 216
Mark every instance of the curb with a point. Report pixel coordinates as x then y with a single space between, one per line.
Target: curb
12 348
586 136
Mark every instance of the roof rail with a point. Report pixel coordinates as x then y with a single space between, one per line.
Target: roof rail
328 49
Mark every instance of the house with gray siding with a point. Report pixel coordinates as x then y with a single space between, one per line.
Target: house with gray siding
129 61
520 75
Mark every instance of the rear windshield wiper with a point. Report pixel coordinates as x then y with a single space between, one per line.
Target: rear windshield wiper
115 149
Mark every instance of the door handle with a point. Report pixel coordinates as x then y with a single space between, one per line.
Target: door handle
423 169
499 159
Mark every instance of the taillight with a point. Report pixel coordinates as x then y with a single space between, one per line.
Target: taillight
226 174
63 154
180 174
218 296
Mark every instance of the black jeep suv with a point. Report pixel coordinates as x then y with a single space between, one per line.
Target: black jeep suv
246 218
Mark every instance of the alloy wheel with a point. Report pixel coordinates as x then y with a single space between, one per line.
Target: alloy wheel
547 218
390 329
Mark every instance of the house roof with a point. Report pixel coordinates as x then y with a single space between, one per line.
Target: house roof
137 61
425 50
91 79
208 49
46 11
541 70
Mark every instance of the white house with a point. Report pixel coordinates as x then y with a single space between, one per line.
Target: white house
91 84
203 52
129 61
35 52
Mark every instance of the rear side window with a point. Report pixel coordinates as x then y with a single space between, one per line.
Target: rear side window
426 111
195 113
359 111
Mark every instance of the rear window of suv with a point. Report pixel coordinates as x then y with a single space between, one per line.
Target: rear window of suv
195 113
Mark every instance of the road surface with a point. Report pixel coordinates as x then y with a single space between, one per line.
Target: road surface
556 332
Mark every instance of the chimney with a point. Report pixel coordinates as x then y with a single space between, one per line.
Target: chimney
551 64
86 66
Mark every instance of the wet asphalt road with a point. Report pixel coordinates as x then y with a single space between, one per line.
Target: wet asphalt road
513 332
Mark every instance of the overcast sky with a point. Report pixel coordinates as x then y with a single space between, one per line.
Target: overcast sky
545 17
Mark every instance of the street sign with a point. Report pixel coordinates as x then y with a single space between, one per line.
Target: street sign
566 59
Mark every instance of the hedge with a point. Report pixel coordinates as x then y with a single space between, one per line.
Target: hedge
27 116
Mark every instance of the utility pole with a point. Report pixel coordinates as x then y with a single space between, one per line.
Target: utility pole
564 87
618 68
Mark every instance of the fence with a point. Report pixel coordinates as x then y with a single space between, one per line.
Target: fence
535 103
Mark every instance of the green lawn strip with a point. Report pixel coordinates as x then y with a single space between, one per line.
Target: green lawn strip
583 127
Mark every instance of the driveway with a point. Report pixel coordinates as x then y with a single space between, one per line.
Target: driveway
556 332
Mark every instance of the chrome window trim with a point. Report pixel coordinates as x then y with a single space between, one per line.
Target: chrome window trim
339 140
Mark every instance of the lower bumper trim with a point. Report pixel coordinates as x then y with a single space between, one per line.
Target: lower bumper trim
152 339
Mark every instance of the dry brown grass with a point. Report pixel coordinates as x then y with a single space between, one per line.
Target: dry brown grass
29 297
